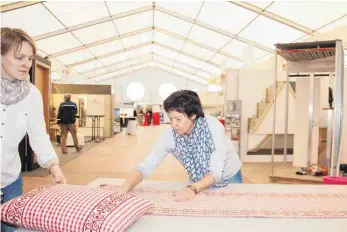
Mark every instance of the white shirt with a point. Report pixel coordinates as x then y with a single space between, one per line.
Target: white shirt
224 162
16 120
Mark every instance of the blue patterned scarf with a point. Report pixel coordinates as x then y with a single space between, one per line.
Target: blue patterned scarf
194 152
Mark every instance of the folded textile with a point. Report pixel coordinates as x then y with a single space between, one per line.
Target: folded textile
245 204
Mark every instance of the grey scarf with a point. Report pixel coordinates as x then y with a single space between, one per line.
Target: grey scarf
13 92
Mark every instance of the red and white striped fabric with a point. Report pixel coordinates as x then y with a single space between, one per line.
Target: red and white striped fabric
245 204
74 208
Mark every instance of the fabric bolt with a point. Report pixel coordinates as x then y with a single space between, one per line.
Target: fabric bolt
245 204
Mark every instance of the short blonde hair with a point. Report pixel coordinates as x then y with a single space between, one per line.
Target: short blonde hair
13 37
67 96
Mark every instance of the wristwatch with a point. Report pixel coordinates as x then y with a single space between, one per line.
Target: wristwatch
194 189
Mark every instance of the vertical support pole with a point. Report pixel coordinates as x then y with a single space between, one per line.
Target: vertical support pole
329 135
338 109
310 116
286 122
274 116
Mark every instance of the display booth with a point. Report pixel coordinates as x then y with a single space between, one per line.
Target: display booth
307 62
248 113
95 109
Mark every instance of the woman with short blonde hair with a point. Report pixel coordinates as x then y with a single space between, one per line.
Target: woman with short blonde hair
21 113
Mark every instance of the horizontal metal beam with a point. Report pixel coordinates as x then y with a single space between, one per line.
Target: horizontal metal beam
141 63
335 20
214 29
145 62
140 46
127 60
94 22
164 70
133 33
123 68
114 64
186 54
123 74
140 57
178 69
17 5
273 16
197 43
110 54
181 63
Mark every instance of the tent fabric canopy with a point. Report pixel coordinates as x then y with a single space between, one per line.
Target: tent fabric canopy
195 40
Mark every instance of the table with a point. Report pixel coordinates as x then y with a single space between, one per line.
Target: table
173 224
167 223
95 127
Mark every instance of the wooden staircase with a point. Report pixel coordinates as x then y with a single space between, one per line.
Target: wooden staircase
264 105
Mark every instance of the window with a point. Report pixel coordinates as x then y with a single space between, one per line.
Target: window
135 91
166 89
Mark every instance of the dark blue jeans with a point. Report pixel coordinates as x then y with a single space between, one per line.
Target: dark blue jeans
11 191
236 179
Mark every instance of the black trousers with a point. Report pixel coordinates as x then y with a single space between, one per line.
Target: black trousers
150 119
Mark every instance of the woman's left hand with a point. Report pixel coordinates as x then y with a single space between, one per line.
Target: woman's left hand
57 174
184 195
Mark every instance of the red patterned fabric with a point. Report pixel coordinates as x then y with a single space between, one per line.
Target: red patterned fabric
245 204
73 208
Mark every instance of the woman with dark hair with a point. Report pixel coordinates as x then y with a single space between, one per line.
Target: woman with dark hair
198 142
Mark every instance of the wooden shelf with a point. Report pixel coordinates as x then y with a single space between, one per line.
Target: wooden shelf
297 179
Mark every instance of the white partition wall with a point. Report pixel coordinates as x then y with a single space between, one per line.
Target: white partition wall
301 124
249 85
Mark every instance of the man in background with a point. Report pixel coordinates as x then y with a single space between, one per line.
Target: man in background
150 112
67 118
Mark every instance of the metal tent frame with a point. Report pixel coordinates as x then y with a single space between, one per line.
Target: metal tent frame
301 53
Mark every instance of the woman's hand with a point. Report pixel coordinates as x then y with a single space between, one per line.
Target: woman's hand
123 190
184 195
57 174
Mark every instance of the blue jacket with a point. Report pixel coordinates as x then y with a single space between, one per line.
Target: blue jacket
67 113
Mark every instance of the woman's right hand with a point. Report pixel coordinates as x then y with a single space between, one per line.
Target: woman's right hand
123 190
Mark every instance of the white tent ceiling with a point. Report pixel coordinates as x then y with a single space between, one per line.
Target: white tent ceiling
194 40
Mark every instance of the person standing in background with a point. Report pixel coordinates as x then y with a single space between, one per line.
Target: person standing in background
150 112
83 117
67 118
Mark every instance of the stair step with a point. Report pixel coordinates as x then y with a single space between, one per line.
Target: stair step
269 91
252 122
261 108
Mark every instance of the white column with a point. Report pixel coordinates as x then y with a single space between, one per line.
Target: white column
301 125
